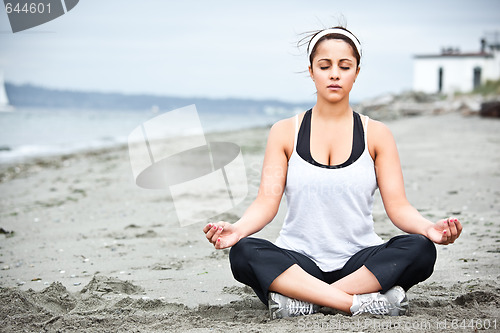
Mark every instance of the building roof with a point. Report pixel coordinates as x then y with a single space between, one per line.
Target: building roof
453 52
456 55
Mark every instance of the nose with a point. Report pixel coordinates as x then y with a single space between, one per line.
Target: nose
335 73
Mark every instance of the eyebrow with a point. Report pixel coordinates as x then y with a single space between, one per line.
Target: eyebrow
344 59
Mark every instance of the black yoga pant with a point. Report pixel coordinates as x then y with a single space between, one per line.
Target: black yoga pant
404 260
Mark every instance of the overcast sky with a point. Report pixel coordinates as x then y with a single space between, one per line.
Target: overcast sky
233 48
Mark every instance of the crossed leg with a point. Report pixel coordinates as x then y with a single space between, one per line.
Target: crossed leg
297 283
404 260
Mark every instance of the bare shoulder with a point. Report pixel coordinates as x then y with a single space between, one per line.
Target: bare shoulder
285 128
379 137
282 135
378 129
284 125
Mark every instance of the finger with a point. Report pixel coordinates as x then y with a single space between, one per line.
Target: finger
218 244
453 230
217 224
217 233
459 227
211 232
444 238
446 232
207 227
442 222
446 227
452 226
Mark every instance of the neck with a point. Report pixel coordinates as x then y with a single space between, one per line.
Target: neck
327 110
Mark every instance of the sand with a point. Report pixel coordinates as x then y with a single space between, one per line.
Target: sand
83 249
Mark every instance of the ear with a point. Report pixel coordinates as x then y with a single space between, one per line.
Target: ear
357 72
311 74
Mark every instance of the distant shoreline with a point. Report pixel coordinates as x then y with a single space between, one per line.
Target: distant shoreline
10 168
28 95
33 132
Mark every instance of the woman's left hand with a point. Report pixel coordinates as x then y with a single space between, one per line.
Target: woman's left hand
445 231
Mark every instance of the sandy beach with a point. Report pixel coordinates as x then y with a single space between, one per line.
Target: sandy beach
83 249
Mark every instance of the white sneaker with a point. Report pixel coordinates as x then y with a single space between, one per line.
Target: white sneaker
281 306
392 303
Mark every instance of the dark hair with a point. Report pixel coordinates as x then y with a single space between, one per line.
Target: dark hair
346 39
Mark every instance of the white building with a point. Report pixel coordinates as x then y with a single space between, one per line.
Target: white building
453 71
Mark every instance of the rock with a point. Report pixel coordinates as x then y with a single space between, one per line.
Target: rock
7 233
392 106
490 109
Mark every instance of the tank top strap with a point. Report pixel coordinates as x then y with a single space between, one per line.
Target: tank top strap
365 130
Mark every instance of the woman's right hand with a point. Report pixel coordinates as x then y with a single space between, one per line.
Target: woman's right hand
221 234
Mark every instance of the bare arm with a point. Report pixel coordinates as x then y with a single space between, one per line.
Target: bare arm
272 184
391 185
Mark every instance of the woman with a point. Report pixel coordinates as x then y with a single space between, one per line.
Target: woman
329 161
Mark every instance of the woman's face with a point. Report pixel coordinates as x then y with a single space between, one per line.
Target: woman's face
333 70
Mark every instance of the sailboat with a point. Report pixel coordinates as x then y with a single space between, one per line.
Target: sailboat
4 100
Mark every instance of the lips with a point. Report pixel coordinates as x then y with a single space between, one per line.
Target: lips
334 86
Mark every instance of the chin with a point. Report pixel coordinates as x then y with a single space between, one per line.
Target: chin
335 98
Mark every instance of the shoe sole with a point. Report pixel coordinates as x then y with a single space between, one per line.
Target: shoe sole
274 308
278 312
404 305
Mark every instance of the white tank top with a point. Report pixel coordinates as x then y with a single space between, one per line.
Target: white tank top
329 216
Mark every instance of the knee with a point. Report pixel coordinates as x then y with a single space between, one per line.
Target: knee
239 258
240 252
240 249
424 250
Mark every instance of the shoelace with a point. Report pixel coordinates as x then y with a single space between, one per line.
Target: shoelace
296 307
374 307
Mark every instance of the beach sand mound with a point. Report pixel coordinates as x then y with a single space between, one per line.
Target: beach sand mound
24 308
93 310
104 284
55 308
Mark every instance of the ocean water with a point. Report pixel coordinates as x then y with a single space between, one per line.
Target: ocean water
35 132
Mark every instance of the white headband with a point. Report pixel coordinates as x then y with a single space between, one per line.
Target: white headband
325 32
